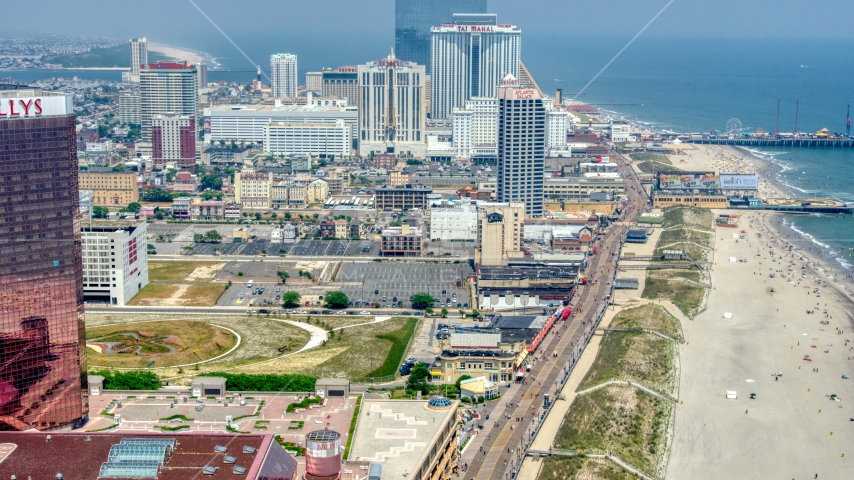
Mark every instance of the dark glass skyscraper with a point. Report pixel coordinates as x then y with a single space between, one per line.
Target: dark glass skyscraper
521 145
42 337
413 19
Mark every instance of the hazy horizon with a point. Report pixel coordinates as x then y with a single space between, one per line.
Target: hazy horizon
178 22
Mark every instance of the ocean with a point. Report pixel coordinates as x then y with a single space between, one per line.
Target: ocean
681 84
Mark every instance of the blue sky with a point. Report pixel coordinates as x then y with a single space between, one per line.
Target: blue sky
177 20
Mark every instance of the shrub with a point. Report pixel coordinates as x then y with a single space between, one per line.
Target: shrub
129 380
267 382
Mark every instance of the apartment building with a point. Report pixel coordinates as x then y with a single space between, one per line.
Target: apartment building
109 188
115 262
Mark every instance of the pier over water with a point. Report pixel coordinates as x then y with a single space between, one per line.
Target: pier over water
775 142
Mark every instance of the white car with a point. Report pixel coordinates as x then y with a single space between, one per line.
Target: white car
364 312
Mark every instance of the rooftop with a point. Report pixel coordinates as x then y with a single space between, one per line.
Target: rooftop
397 433
82 455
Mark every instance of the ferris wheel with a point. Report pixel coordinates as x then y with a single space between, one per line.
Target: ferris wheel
733 128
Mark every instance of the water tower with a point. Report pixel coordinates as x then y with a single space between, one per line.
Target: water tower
323 455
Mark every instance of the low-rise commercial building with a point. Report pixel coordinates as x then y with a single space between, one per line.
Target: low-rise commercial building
666 199
581 206
182 208
402 241
583 186
115 262
109 188
456 223
385 161
401 198
399 179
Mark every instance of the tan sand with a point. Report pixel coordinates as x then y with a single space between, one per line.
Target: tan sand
179 54
792 429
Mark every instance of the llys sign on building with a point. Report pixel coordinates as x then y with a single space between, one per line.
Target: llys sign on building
31 107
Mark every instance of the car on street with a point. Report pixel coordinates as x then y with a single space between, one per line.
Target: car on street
364 312
327 312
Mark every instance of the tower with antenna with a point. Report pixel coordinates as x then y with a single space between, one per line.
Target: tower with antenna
796 133
848 123
777 124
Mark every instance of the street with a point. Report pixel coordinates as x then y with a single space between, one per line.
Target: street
498 450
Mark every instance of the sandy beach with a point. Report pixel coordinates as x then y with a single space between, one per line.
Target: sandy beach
179 54
793 429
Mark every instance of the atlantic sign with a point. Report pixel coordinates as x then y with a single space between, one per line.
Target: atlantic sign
32 107
739 182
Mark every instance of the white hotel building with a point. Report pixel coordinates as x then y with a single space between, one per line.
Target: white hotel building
115 262
308 138
469 58
283 74
392 116
247 122
475 128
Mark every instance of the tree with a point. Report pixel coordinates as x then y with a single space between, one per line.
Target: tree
213 236
336 299
170 174
274 215
475 313
187 249
133 207
428 311
198 238
257 216
211 182
283 274
288 216
291 299
100 212
444 312
156 195
158 215
119 168
418 377
422 300
211 195
459 380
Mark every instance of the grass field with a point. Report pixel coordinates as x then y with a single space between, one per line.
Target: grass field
651 316
652 167
262 339
641 357
352 354
193 342
628 422
178 294
203 295
685 215
684 234
651 157
176 272
581 468
685 296
695 253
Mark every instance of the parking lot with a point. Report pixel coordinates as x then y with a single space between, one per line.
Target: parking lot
339 248
394 283
264 275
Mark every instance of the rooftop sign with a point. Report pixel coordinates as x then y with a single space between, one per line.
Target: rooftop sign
32 107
